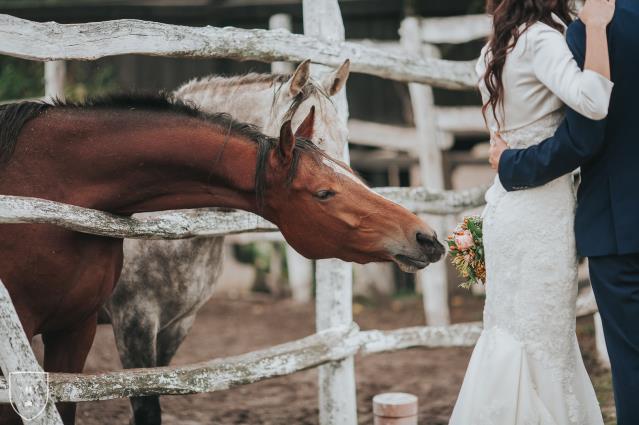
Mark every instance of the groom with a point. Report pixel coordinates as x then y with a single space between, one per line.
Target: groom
607 221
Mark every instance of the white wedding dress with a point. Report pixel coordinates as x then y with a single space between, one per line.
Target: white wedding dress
526 368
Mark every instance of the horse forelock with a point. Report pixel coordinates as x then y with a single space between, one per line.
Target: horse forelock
310 89
302 146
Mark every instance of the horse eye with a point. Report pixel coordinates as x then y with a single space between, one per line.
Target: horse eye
323 195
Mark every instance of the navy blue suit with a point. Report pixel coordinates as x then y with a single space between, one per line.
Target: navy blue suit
607 220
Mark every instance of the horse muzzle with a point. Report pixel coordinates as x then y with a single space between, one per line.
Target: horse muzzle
429 250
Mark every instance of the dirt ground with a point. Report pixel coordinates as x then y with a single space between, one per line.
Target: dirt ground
228 327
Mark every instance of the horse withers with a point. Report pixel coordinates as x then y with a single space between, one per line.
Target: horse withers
133 155
165 283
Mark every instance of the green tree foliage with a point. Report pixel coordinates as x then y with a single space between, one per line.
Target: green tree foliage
90 79
20 78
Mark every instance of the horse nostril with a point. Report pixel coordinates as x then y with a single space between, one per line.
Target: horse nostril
423 239
430 244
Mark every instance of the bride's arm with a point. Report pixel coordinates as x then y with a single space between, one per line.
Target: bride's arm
587 92
576 142
596 15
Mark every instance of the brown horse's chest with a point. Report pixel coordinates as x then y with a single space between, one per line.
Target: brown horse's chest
55 276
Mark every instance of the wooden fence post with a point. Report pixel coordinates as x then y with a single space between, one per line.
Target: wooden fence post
337 400
434 280
600 342
281 21
300 275
17 357
54 75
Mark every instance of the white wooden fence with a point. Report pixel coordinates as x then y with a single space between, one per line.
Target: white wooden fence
338 339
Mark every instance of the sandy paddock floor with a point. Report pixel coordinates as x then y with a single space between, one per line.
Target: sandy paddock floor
229 327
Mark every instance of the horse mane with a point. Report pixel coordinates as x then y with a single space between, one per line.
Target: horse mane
214 82
14 116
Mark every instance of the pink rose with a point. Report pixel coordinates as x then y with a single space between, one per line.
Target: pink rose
464 240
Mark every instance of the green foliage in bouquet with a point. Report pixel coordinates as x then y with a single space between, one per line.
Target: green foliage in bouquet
466 247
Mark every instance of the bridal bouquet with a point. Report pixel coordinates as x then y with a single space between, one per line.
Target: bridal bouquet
467 251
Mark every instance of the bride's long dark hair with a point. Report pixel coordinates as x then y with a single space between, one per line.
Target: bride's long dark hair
508 18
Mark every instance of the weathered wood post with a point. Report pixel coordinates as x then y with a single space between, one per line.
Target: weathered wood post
434 279
337 401
54 75
300 275
281 21
600 343
18 361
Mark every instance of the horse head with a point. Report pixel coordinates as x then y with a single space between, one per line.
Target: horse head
295 98
324 210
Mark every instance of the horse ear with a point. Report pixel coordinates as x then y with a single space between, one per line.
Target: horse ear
335 81
287 142
305 130
300 78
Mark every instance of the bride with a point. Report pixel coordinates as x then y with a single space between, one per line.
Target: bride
526 368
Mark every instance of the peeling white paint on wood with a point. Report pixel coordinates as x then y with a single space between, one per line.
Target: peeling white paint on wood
586 303
433 280
205 222
173 225
54 76
209 376
436 202
337 393
454 29
600 343
453 121
281 22
324 347
16 356
461 335
52 41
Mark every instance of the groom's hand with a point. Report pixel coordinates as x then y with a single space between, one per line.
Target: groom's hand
497 147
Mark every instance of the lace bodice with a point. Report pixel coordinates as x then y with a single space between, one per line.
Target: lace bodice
533 133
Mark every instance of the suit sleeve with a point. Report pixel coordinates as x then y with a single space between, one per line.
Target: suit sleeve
576 141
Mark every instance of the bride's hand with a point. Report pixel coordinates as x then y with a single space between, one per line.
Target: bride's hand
497 147
597 12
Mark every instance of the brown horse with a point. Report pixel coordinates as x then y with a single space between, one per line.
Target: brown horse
130 155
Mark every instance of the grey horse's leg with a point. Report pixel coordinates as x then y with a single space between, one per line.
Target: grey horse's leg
136 337
170 339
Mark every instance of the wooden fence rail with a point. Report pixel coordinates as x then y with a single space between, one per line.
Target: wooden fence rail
204 222
49 41
337 340
224 373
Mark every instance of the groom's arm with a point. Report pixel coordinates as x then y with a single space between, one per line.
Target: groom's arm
575 142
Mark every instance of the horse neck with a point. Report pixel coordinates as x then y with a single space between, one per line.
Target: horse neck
262 104
163 161
247 102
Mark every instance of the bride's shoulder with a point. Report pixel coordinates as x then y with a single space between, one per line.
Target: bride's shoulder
540 36
542 30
